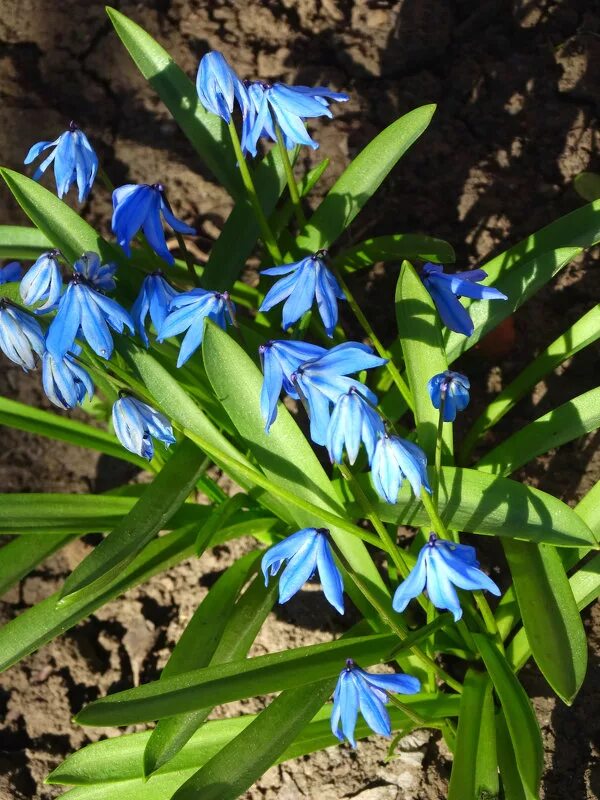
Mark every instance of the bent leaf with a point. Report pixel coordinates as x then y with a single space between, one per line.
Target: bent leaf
398 247
20 242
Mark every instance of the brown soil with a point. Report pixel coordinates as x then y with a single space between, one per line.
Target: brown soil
515 82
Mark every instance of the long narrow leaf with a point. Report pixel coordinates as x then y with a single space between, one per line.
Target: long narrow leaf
398 247
19 557
20 242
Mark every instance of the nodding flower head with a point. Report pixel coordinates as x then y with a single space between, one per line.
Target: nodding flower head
10 273
43 281
74 161
394 460
137 424
21 337
154 299
219 87
450 389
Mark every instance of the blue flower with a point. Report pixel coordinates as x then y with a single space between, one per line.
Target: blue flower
309 280
320 382
85 313
188 311
10 272
20 335
353 420
66 383
74 161
136 423
453 388
140 206
306 551
154 299
272 105
218 86
447 289
43 281
98 276
440 567
280 358
358 689
394 460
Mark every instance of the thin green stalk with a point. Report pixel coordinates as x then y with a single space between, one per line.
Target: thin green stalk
291 181
436 521
382 351
416 718
265 230
104 179
439 440
187 257
488 618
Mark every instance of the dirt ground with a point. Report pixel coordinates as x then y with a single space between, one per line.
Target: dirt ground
516 87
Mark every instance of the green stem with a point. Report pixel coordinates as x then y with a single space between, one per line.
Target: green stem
436 521
488 618
439 440
104 179
382 351
187 256
416 718
265 231
291 181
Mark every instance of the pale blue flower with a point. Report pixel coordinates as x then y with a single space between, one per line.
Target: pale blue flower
306 552
454 389
154 298
440 567
394 460
11 272
66 383
43 281
21 337
136 424
353 421
219 87
74 161
358 689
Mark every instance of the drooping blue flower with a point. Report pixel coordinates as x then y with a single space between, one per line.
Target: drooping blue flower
288 107
188 311
66 383
154 298
138 206
99 276
219 87
394 460
353 421
280 358
136 424
85 313
358 689
447 289
320 382
307 280
10 272
21 337
440 567
43 281
74 161
306 552
454 389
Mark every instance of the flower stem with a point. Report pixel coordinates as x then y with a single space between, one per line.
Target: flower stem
439 440
382 351
265 231
291 181
436 522
488 618
104 179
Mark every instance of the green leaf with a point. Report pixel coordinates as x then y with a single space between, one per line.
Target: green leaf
520 718
361 179
424 355
584 332
19 557
236 680
587 185
207 132
550 615
45 423
475 768
559 426
162 498
398 247
512 785
20 242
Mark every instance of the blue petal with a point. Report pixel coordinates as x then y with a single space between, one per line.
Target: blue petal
271 388
348 701
10 272
439 587
453 314
329 574
371 707
153 230
413 584
397 683
279 292
64 163
65 325
301 297
36 149
464 572
283 551
173 221
299 569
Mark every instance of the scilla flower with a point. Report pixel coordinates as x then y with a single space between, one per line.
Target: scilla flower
287 107
136 424
307 280
84 312
358 689
138 206
154 299
43 281
219 87
306 552
188 311
66 383
10 272
21 337
279 360
352 421
447 289
452 389
74 161
394 460
99 276
440 567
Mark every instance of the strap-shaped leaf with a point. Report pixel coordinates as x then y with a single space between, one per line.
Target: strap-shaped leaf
513 787
19 557
475 766
207 132
397 247
20 242
520 718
